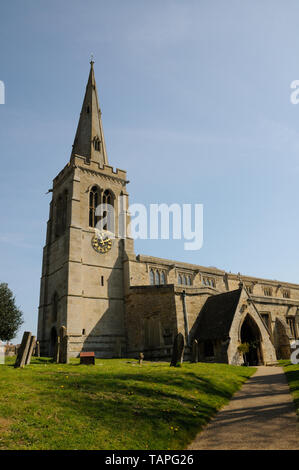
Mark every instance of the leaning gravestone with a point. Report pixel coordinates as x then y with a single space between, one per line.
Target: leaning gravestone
178 350
194 351
30 350
23 350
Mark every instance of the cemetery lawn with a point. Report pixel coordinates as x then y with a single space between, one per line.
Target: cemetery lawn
292 374
116 404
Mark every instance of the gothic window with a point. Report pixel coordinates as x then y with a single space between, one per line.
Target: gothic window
268 291
157 278
108 211
54 307
152 278
180 279
209 281
96 143
94 201
189 280
163 280
184 279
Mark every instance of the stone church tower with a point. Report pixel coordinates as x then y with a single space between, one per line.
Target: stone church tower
117 304
82 283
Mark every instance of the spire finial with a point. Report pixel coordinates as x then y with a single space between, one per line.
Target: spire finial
91 60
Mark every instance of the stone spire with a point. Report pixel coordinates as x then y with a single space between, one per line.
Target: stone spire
89 141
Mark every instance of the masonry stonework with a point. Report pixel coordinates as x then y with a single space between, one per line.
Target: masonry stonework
118 304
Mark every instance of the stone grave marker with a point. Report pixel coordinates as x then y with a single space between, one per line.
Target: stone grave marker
57 350
30 350
141 357
23 350
178 350
194 351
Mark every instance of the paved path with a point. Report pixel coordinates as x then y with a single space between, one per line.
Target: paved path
260 416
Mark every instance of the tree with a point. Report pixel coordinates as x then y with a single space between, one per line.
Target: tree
11 317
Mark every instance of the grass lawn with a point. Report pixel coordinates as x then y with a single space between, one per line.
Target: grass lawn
115 404
292 373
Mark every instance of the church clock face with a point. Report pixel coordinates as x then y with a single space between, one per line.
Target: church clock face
101 242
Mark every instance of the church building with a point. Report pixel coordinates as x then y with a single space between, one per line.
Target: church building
118 304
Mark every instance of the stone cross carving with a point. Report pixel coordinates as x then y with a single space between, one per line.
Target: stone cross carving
23 350
178 350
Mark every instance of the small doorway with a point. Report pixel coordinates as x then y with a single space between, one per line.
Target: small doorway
250 334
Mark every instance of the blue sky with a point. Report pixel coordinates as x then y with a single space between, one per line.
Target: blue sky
196 107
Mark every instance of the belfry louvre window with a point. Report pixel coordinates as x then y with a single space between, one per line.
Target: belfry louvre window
94 201
96 143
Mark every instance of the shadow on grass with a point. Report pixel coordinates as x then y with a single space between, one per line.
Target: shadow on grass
145 400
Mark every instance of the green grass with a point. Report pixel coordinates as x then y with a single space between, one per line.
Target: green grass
115 404
292 373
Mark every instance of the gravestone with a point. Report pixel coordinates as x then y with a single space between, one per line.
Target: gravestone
87 358
63 351
141 357
23 350
57 350
178 350
37 349
194 357
30 350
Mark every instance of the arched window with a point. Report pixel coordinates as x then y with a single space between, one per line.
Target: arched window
94 201
163 279
152 277
96 143
184 280
108 211
189 280
179 279
157 278
54 307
